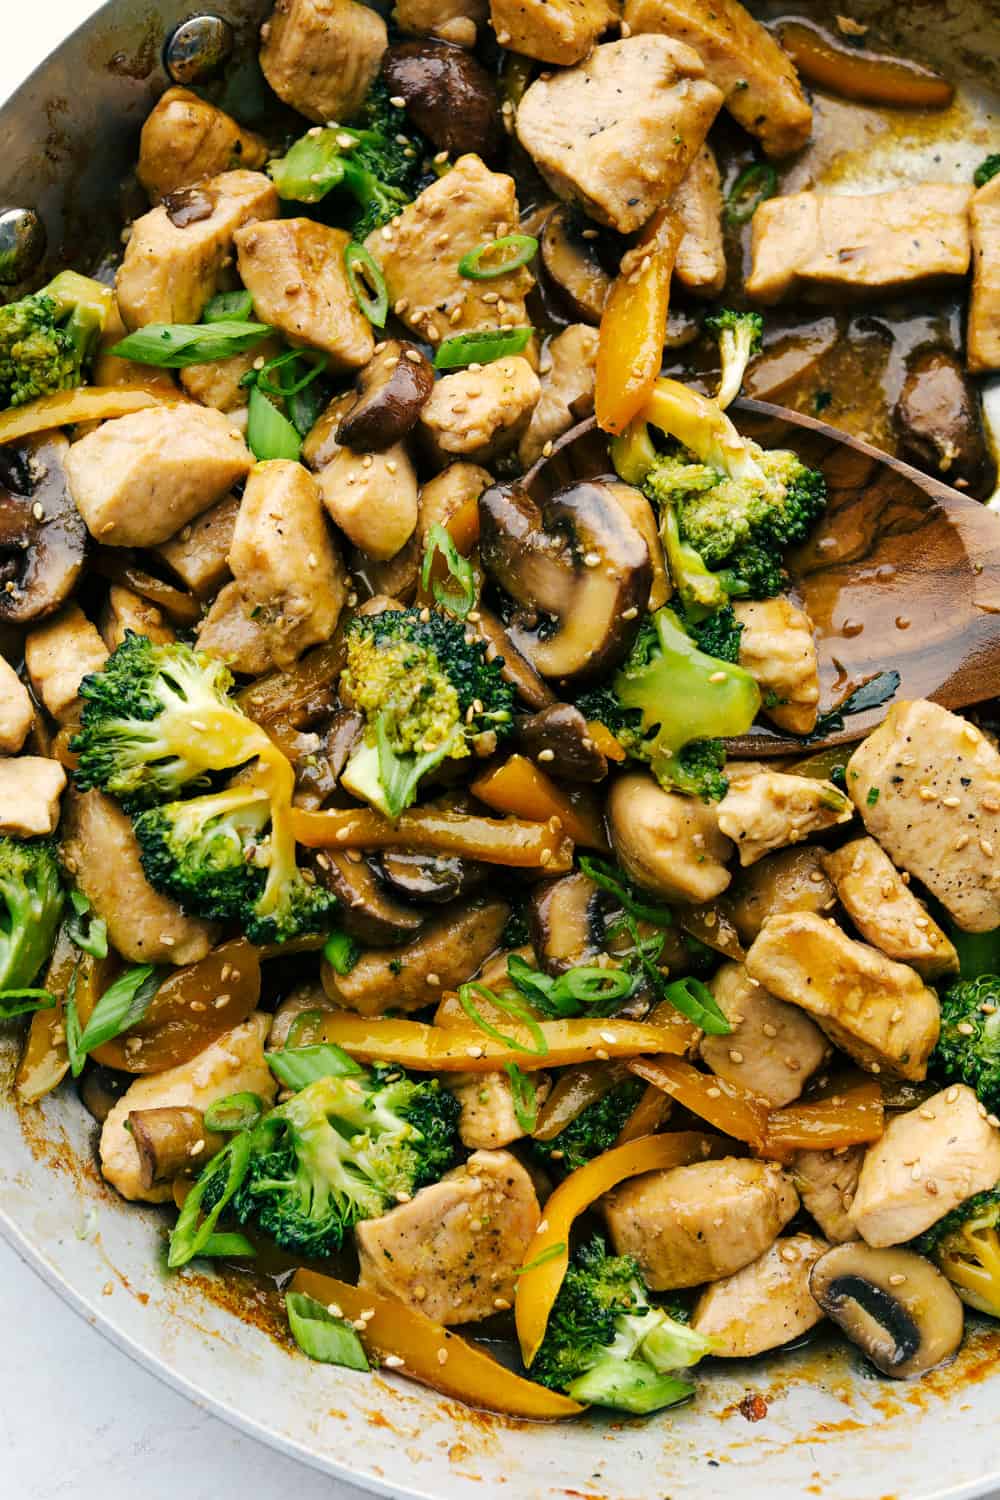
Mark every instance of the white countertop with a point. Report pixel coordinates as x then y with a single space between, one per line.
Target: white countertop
78 1418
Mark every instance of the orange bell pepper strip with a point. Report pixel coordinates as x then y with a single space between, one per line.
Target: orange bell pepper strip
604 741
634 325
854 1117
548 1255
454 1049
434 1355
516 842
87 404
732 1110
649 1114
522 788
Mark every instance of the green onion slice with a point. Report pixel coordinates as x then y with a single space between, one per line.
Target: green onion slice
481 348
513 250
229 307
230 1245
549 1253
225 1172
173 346
367 283
269 432
628 896
748 192
121 1007
296 1067
25 1002
523 1097
587 987
306 1029
341 952
696 1001
460 599
315 361
323 1336
90 936
510 1006
234 1112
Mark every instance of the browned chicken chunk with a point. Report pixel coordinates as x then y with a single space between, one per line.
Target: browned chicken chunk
185 139
322 56
765 810
778 650
765 1304
772 1048
480 414
983 332
886 912
553 31
827 1182
700 262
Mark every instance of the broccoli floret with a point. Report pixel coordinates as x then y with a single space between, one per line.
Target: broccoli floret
342 1150
966 1245
739 335
595 1128
48 339
426 693
987 170
367 159
671 704
605 1345
718 634
968 1047
31 902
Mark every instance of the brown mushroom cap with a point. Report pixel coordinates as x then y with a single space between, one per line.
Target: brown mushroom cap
559 738
576 559
449 96
573 264
367 911
392 389
564 918
516 669
171 1142
42 535
940 423
437 878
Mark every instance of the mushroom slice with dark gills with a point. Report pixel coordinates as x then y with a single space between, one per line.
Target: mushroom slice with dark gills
559 739
436 878
566 922
42 535
367 912
577 567
895 1305
392 389
572 262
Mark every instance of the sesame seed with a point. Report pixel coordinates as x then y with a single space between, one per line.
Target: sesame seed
503 37
718 677
419 1292
501 1304
916 1171
609 1037
397 101
546 755
769 1030
734 1056
961 841
897 1278
601 1054
987 847
626 31
475 1051
965 1027
394 1361
442 1356
547 448
926 795
714 1093
951 801
931 1187
401 304
335 1310
992 1120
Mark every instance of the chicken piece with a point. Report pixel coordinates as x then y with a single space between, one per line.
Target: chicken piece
618 132
489 1119
172 266
218 382
768 810
123 610
553 31
294 269
700 262
16 712
699 1223
455 1250
764 1305
879 1012
827 1182
58 655
927 784
185 139
199 553
234 1063
883 242
929 1160
443 955
480 414
665 842
100 850
285 561
886 912
322 56
772 1048
138 479
30 788
455 21
778 650
566 370
231 632
791 880
982 338
420 250
372 498
742 58
441 497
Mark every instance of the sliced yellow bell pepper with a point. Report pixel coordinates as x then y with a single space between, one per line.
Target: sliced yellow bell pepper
516 842
87 404
634 325
733 1110
523 789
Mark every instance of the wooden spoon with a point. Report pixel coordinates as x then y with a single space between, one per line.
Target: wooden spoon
901 572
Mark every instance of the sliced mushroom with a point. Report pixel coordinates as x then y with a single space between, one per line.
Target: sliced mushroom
573 264
564 917
449 96
171 1142
367 912
100 1089
318 769
392 388
940 423
305 1000
790 880
437 878
323 442
579 569
516 669
893 1304
42 534
558 738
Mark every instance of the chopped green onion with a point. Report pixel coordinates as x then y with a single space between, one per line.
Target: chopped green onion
315 361
296 1067
231 1246
269 433
510 1006
322 1336
234 1112
748 192
306 1029
367 283
341 952
523 1097
481 348
122 1006
584 987
457 601
227 1169
229 307
173 346
549 1253
521 247
25 1002
92 936
625 892
696 1001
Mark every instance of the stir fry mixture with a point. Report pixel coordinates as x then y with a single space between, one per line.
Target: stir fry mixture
372 862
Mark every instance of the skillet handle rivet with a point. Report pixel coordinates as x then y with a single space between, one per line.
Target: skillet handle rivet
197 49
22 244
